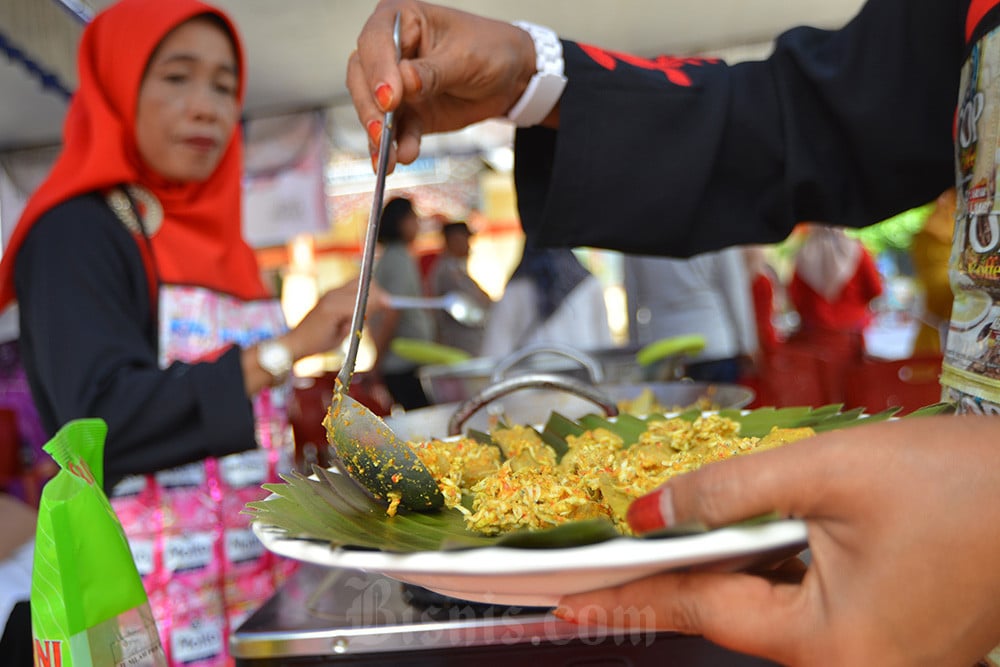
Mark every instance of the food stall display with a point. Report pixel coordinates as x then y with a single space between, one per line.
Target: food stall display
362 596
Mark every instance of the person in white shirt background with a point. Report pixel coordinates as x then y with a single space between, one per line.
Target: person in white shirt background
450 273
550 298
708 294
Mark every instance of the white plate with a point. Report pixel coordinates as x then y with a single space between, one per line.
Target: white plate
539 577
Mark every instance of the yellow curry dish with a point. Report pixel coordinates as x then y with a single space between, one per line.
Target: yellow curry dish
519 482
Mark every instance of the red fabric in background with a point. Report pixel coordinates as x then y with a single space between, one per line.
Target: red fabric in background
762 290
813 366
977 10
849 311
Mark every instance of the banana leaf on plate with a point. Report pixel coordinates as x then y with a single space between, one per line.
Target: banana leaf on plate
326 507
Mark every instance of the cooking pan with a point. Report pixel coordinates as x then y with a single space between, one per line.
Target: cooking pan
662 361
531 398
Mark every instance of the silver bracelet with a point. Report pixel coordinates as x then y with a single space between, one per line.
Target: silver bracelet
548 82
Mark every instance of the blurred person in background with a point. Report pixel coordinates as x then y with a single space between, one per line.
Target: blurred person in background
708 294
769 297
397 273
834 280
450 273
770 373
141 304
550 298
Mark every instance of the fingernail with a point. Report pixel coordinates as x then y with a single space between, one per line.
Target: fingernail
383 94
374 157
565 614
375 131
652 511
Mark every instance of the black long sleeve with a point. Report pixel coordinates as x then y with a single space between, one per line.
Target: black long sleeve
89 344
845 127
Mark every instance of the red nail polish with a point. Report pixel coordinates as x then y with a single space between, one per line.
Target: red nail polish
375 161
383 94
375 131
565 614
645 514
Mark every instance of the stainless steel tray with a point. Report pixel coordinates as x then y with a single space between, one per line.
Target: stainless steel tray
324 616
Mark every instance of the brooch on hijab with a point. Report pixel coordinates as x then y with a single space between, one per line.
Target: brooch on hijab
137 208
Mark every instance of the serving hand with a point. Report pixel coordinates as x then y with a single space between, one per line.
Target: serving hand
455 69
904 526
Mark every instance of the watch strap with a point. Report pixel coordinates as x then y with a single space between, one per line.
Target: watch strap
547 84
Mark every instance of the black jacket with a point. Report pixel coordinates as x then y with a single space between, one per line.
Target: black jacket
845 127
89 345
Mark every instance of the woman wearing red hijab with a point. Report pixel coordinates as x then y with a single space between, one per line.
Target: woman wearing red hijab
140 303
833 282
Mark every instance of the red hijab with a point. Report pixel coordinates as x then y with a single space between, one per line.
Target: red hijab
200 241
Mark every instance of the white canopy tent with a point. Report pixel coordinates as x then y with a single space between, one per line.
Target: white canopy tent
297 52
297 49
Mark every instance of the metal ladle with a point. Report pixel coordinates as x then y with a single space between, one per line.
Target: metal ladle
462 308
364 449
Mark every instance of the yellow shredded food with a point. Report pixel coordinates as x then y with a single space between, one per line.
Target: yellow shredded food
457 465
646 402
520 483
394 499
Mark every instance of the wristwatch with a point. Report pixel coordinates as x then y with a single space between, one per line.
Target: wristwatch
275 358
548 82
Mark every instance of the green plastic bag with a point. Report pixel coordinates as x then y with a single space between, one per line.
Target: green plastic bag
88 606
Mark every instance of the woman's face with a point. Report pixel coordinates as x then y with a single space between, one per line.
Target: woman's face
188 105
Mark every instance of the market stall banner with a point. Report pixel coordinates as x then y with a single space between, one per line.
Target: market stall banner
283 190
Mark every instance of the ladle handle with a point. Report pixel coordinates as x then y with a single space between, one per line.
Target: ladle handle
397 301
368 254
532 381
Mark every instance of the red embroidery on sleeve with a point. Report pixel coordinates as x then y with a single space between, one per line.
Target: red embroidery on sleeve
670 66
977 10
